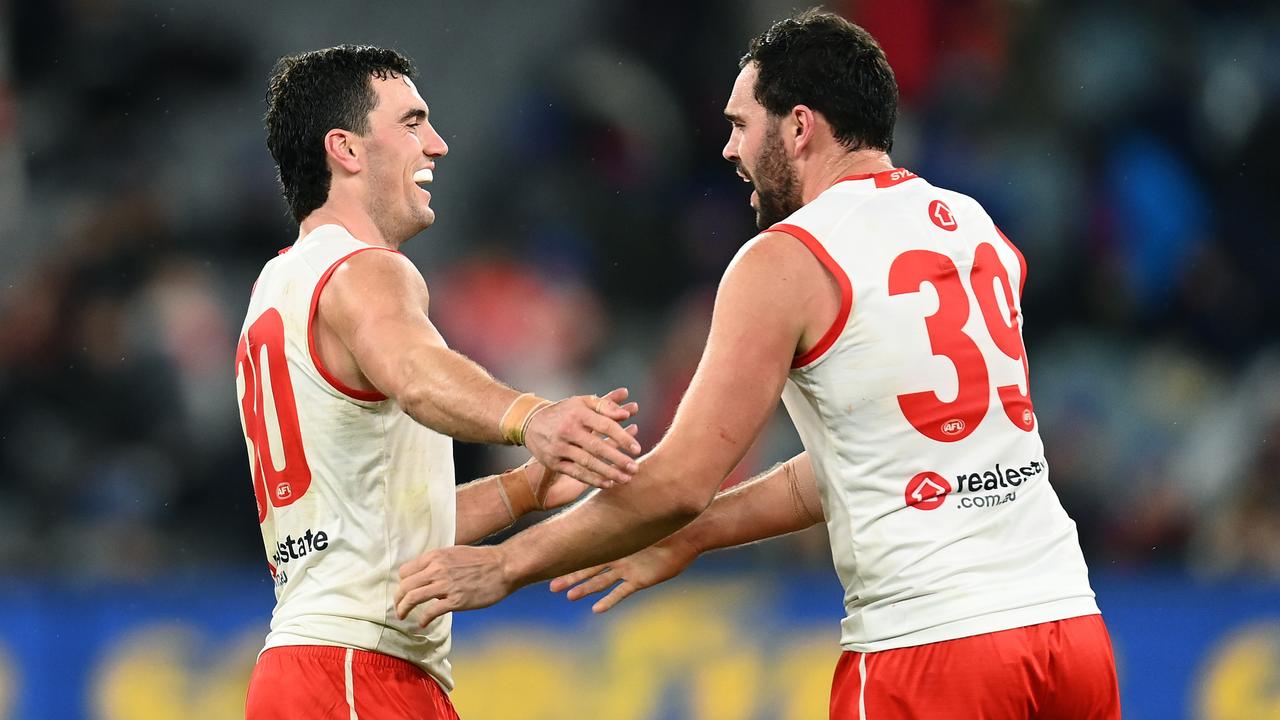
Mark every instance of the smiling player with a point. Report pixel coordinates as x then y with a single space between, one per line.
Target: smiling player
348 398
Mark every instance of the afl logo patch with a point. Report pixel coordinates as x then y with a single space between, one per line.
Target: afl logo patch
927 491
954 426
941 216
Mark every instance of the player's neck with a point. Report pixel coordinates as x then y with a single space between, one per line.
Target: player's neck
349 216
837 165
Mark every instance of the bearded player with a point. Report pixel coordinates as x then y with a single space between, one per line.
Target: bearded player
887 314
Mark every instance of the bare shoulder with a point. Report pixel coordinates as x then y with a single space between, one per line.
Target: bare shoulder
774 260
778 283
373 277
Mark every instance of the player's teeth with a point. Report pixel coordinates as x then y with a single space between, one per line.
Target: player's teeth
423 176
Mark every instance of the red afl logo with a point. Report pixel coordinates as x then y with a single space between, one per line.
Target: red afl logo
284 491
1027 417
927 491
941 216
954 426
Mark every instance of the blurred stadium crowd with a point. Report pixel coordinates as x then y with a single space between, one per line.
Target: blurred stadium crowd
1131 150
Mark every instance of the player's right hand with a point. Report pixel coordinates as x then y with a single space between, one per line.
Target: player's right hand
582 437
655 564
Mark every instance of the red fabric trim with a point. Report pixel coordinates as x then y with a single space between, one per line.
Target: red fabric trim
884 178
338 654
366 395
846 292
1022 262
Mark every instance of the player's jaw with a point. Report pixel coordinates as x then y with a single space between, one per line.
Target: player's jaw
419 179
399 206
777 187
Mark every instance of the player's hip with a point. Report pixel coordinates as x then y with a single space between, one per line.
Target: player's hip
310 682
1060 669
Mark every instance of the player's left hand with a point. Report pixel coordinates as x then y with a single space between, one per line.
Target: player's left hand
582 436
460 577
552 489
555 490
624 577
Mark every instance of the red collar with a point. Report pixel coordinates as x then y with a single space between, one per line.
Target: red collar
884 178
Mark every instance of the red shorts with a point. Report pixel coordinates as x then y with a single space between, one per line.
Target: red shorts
311 682
1056 670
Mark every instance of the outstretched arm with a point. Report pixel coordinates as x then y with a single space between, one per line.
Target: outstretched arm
766 309
782 500
493 503
485 506
373 315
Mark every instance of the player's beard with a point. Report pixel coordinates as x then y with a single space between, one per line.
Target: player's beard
775 181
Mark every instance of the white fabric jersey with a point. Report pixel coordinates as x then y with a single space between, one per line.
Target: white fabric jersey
915 415
348 486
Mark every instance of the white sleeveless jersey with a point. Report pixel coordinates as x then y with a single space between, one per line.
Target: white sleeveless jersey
348 486
914 409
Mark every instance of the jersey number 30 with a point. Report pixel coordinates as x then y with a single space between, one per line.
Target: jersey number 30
955 420
270 415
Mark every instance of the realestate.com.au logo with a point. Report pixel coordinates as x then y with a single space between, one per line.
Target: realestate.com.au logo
927 491
986 488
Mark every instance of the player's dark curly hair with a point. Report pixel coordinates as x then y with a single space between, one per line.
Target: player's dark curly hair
310 94
821 60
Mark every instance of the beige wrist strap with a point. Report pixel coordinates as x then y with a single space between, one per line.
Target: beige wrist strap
516 493
516 419
506 501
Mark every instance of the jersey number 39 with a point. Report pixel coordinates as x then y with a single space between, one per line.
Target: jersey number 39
949 421
270 415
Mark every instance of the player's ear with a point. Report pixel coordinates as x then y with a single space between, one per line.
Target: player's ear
803 124
343 148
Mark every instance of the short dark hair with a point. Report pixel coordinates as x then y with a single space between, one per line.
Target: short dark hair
819 59
310 94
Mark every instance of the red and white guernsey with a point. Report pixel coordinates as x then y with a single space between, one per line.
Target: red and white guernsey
915 410
348 486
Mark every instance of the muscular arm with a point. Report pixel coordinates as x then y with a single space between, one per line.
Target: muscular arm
764 312
481 511
754 333
490 504
779 501
375 306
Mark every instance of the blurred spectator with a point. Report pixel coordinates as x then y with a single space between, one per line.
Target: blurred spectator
1245 537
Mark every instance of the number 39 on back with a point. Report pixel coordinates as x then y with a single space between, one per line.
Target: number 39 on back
957 419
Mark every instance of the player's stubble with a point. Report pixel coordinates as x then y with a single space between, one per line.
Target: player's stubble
777 184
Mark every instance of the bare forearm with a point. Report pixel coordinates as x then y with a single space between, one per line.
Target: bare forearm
752 336
481 511
608 525
777 502
451 394
674 484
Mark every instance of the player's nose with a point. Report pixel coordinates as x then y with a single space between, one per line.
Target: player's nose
433 145
730 150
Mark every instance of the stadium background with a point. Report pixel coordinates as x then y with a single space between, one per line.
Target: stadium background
1129 149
